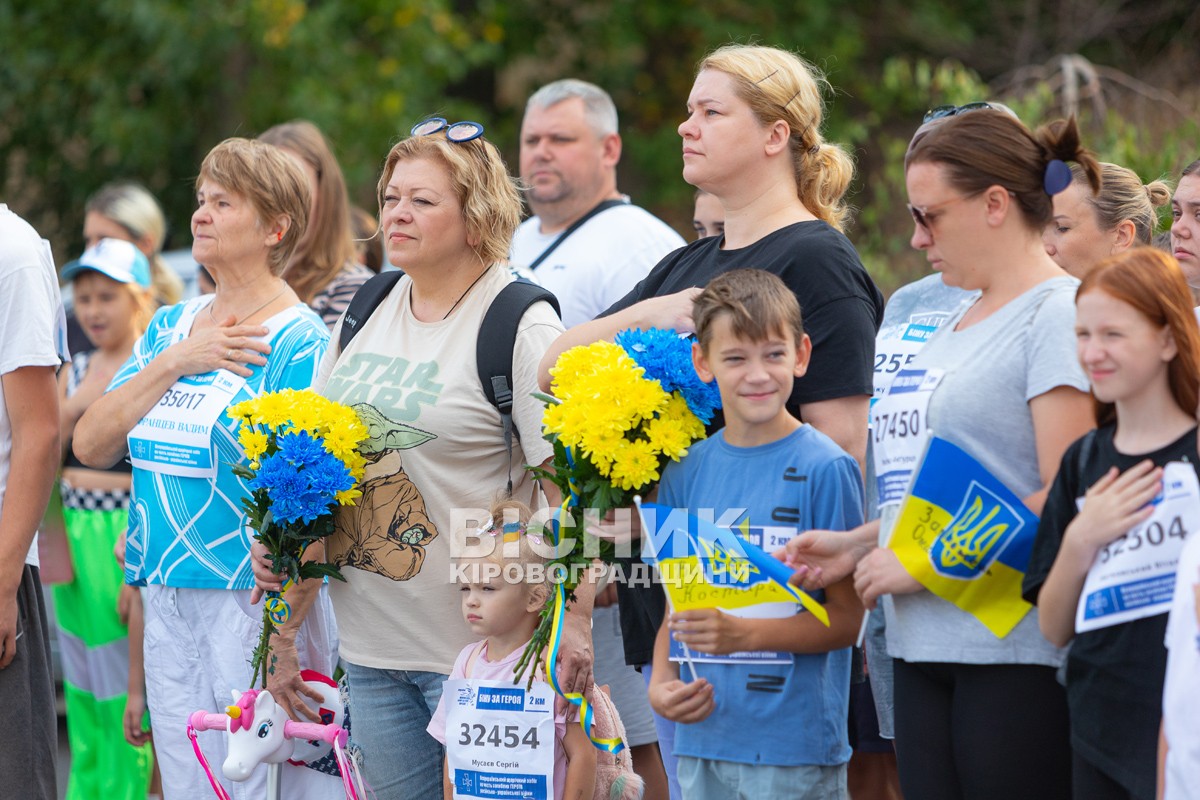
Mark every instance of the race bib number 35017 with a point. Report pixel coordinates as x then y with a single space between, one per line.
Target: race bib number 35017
175 436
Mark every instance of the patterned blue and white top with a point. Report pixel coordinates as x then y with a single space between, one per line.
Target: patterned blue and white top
191 531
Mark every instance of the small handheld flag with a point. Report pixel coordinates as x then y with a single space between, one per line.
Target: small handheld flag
703 565
965 536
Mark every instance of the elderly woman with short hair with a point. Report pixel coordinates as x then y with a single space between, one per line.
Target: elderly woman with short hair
188 538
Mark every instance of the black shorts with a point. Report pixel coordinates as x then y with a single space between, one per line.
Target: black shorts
863 727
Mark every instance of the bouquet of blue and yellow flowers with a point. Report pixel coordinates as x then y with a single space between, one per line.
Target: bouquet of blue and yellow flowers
304 462
619 411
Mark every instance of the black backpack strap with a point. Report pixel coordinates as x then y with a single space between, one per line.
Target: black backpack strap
494 349
363 304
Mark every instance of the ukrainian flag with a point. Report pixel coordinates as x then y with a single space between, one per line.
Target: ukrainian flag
966 537
703 565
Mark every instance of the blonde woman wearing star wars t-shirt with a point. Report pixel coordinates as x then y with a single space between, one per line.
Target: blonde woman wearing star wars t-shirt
448 210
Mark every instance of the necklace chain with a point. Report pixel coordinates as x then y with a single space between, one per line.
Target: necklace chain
460 297
272 299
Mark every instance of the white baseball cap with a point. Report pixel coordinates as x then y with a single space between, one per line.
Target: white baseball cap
114 258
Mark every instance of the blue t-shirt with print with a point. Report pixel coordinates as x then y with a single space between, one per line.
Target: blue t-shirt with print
191 532
773 714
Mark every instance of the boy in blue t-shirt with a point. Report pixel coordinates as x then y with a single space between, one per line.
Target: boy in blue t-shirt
758 727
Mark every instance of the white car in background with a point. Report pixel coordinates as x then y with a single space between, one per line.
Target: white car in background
185 267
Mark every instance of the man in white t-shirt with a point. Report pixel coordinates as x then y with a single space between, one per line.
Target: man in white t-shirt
590 246
586 242
32 347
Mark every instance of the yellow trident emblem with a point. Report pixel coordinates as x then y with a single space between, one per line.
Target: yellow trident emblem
727 566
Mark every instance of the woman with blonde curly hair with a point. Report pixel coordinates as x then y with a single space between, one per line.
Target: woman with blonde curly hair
448 209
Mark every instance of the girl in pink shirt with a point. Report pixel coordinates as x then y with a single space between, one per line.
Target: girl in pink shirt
495 731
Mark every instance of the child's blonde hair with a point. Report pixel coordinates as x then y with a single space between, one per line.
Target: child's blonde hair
519 542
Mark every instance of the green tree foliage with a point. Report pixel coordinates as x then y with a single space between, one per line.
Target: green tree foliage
143 88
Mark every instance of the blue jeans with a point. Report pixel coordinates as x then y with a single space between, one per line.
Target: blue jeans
389 711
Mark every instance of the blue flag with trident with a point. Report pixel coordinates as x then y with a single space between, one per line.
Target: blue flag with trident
703 565
965 536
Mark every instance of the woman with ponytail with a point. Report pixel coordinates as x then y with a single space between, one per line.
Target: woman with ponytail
1090 226
752 139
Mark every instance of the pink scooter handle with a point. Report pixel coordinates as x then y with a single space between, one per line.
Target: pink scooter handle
207 721
313 731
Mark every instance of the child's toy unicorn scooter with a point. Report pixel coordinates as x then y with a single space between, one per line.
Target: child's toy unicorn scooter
260 732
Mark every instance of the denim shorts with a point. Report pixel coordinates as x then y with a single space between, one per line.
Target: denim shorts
708 779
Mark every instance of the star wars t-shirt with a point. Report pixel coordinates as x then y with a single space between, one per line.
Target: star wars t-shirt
437 460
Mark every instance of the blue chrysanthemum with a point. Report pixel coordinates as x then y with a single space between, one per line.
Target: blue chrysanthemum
300 492
329 476
667 358
300 448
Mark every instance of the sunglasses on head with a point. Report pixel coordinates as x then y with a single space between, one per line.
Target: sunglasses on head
941 112
457 132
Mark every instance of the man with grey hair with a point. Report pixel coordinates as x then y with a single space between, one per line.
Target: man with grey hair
589 245
585 241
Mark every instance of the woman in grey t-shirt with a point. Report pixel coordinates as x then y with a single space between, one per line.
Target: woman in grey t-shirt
979 716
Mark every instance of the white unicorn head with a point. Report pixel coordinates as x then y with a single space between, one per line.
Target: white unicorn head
256 737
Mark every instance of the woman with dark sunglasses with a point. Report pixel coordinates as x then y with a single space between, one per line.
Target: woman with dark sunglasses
986 710
979 716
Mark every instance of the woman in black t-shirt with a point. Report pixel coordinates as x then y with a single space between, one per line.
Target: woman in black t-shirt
1099 574
753 140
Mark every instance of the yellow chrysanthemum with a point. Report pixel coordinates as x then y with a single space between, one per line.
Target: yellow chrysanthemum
253 442
241 412
348 497
645 398
601 449
342 440
306 417
635 465
587 369
677 409
668 436
272 409
354 462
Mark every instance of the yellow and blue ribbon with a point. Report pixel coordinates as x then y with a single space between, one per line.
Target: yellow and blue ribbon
279 609
613 745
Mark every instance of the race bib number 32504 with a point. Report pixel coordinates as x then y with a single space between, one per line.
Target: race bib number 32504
1133 576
